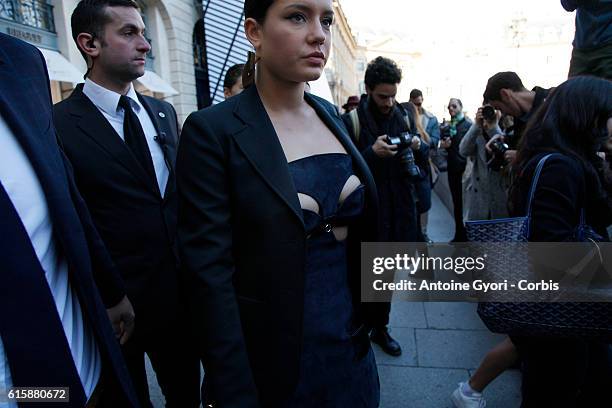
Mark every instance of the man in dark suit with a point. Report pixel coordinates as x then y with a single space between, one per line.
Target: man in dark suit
123 146
56 277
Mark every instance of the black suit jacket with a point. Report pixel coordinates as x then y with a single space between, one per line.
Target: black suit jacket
137 225
242 242
25 104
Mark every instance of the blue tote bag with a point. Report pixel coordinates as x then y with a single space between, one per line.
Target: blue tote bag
568 320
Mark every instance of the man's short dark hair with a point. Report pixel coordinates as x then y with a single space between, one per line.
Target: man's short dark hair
90 16
502 80
416 93
382 71
232 75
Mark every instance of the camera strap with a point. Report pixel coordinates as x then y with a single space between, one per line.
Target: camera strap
354 117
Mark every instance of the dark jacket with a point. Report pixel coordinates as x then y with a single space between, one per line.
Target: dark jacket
395 190
137 225
565 187
243 247
25 104
593 22
456 162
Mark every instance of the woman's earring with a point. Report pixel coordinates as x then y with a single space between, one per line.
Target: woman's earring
248 74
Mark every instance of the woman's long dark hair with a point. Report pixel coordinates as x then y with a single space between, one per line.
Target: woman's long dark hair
257 9
572 121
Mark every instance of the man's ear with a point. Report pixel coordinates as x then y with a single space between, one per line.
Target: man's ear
252 30
226 92
368 90
88 44
505 94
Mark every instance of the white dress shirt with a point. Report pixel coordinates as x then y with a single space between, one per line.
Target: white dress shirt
107 103
25 192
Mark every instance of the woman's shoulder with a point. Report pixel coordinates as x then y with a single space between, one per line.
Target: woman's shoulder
557 165
218 119
328 106
560 173
215 113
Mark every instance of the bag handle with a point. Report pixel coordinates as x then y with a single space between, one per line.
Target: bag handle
534 182
532 189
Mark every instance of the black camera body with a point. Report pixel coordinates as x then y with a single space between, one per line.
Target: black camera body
499 148
405 154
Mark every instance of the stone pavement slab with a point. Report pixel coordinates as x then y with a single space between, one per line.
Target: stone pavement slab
452 315
418 387
453 348
408 314
407 338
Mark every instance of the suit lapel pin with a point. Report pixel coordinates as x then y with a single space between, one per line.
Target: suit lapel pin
162 114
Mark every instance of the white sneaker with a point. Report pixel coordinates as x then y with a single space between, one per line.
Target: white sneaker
460 400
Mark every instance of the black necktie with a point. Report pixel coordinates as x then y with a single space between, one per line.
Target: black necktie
135 137
34 340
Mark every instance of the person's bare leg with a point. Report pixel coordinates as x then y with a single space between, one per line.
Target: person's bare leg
498 360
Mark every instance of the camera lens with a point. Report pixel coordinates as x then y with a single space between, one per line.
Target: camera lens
488 113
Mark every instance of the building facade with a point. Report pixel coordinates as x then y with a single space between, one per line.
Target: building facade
193 43
171 28
343 67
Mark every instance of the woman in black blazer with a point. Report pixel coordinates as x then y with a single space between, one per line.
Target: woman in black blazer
274 201
576 121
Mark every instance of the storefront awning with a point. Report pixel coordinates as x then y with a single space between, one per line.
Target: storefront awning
59 68
155 83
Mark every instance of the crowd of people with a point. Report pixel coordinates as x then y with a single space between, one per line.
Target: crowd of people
235 241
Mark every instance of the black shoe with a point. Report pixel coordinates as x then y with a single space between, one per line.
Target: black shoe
385 341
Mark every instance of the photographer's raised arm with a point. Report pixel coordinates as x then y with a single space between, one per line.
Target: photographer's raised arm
467 147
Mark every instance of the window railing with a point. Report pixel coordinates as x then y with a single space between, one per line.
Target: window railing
31 13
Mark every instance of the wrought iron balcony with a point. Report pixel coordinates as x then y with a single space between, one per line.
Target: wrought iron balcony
32 13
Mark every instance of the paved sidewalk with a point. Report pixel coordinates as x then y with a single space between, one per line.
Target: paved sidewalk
442 344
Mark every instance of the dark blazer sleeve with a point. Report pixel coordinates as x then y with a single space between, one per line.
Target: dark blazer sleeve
205 246
557 200
106 275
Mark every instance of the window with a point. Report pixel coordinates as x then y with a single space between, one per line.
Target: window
32 13
200 64
150 61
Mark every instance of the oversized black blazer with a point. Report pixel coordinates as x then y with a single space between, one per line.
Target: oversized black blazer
25 105
243 246
137 224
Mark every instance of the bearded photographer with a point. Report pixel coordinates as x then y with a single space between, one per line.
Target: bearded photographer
385 134
486 189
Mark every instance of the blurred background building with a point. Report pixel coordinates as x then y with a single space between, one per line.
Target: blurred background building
194 42
172 28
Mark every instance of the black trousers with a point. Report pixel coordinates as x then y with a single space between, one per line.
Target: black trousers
456 188
175 363
564 373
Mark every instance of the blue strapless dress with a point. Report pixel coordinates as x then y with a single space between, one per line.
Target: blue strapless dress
334 372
